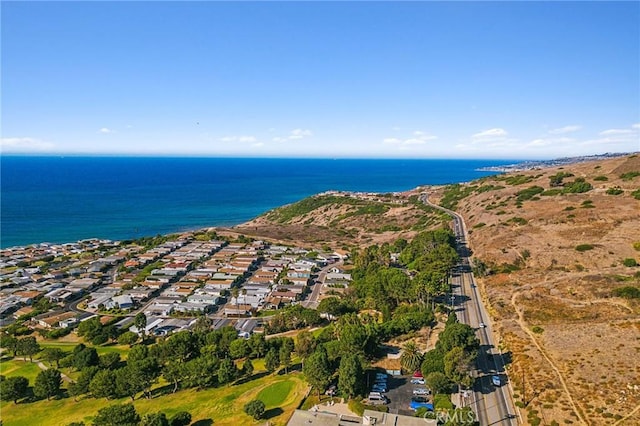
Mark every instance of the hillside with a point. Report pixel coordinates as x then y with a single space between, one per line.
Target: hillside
345 220
555 243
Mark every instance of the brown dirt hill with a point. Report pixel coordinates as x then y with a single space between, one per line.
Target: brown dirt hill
345 220
556 258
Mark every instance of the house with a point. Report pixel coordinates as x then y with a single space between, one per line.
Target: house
238 310
53 319
123 302
86 284
100 300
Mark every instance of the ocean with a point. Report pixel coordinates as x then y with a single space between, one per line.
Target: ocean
66 199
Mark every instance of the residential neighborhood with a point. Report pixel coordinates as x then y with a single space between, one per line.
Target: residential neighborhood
172 283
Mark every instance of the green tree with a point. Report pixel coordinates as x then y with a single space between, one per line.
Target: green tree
239 348
460 335
9 343
181 418
140 321
103 384
174 372
351 375
433 362
411 357
52 355
47 383
255 409
457 365
437 382
305 344
128 338
247 368
182 346
28 347
13 388
110 360
81 386
117 415
285 358
272 360
84 356
154 419
317 370
227 371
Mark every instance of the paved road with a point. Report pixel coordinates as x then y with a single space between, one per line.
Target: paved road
493 405
312 300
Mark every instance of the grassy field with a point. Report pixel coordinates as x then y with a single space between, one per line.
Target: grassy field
18 367
123 350
280 393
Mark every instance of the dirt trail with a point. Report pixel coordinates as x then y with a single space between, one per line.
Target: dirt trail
521 322
64 376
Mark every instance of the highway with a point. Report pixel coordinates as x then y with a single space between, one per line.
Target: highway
493 405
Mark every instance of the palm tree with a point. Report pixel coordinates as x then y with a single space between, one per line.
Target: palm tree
234 293
244 296
411 357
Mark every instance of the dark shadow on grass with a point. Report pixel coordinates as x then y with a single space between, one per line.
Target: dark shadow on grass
203 422
252 377
274 412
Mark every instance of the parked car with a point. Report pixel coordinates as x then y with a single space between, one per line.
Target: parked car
332 390
377 399
419 402
417 374
417 381
379 388
381 376
421 391
482 325
496 380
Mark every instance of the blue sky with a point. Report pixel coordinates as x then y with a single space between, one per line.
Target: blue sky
337 79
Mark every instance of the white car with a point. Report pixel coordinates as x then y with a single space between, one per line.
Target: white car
417 381
482 325
421 391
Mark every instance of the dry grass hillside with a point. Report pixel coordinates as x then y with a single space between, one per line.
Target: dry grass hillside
345 220
556 255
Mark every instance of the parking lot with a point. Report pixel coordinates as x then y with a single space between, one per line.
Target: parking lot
400 391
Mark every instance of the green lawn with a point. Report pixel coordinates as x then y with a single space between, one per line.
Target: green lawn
18 367
274 395
123 350
223 405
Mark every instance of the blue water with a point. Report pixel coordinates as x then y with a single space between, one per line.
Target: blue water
65 199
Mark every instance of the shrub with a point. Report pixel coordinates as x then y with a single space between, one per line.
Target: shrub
254 408
518 220
529 193
577 186
537 329
629 175
630 262
601 178
636 194
616 190
551 192
627 292
584 247
636 246
479 225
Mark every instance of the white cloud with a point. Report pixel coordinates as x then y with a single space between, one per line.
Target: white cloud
243 138
106 131
565 129
635 126
247 139
418 138
24 145
541 142
259 144
393 141
299 134
616 132
295 134
491 133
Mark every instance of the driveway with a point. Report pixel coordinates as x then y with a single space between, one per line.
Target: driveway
399 394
